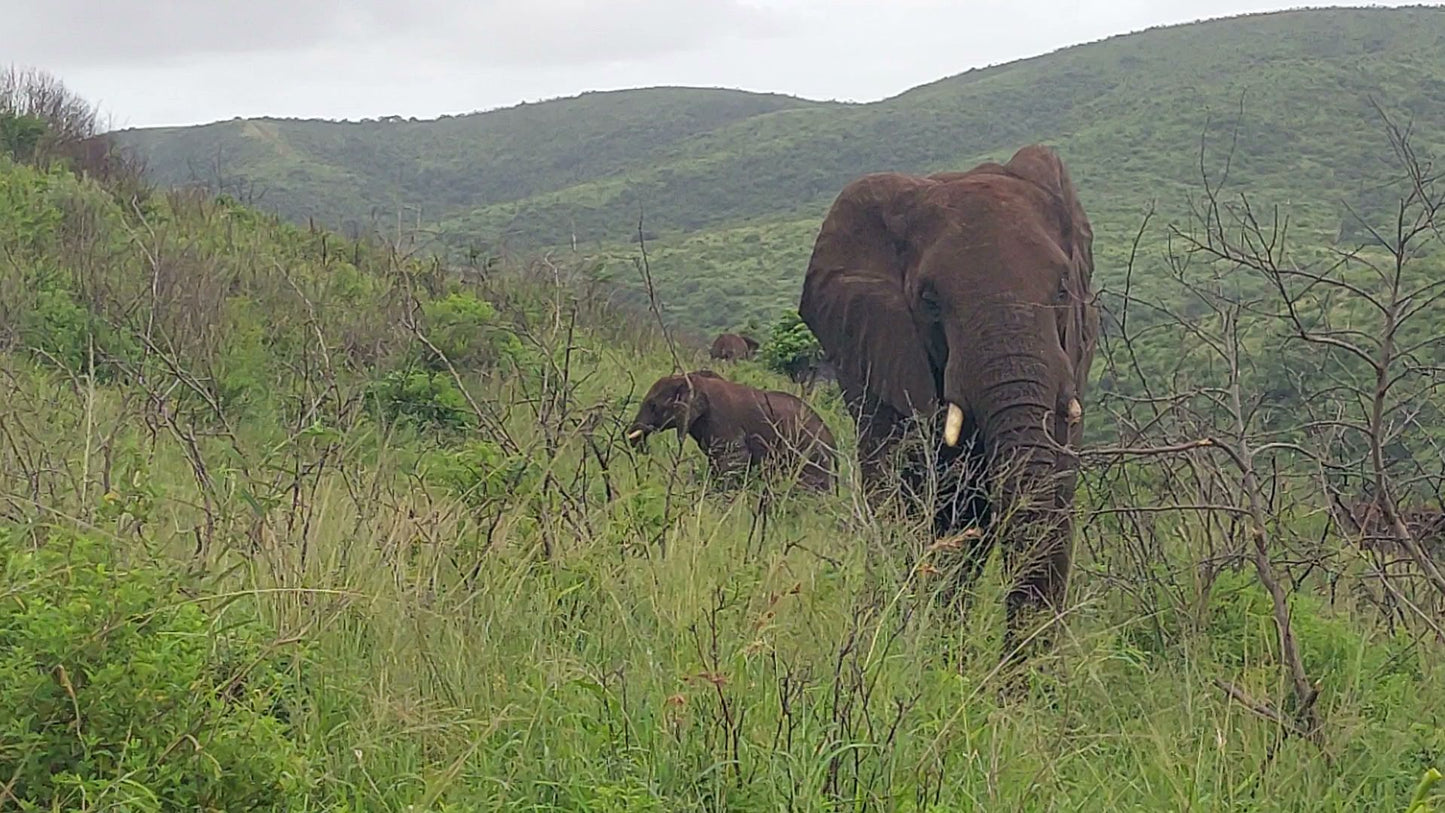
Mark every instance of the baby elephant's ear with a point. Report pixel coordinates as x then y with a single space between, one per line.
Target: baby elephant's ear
695 398
677 391
853 295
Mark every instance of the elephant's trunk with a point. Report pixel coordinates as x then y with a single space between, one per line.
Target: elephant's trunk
1015 387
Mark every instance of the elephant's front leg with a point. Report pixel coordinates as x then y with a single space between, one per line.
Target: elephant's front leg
1036 560
728 460
961 525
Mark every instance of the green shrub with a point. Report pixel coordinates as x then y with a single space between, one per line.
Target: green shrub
240 379
465 329
481 472
426 398
21 135
791 348
29 213
63 332
117 693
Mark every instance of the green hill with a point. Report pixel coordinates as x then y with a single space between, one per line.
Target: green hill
345 172
732 184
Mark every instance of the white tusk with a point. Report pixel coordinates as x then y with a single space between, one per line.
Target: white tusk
634 434
1076 410
953 425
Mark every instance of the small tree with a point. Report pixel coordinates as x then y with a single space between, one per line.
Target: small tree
31 99
791 348
1257 393
41 121
20 136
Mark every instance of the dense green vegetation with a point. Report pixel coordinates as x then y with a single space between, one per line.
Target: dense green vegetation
292 521
733 185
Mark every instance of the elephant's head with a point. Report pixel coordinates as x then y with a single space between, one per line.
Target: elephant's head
673 402
966 293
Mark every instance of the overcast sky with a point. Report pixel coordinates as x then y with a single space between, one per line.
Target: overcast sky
158 62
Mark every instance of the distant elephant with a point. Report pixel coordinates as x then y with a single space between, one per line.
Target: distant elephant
733 347
739 427
966 296
1366 519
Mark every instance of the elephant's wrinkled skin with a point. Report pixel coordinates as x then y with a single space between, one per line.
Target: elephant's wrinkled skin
967 296
739 427
733 347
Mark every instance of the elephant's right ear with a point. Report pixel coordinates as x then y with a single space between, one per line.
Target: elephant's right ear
853 295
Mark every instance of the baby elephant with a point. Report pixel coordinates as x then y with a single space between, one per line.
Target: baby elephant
739 427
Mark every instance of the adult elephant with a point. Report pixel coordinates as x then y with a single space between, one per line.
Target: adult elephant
739 427
733 347
967 296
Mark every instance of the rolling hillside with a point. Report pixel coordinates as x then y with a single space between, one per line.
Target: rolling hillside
732 184
344 171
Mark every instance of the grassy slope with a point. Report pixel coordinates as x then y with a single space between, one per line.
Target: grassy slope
669 654
734 203
336 171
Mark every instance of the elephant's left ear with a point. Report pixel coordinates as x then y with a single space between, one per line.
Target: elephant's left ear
853 295
1079 325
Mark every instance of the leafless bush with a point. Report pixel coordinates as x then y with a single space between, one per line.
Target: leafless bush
34 93
48 122
1252 381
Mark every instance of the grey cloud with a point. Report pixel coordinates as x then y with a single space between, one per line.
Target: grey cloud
146 31
485 33
573 32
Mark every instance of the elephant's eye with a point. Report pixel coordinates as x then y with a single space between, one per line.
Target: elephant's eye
929 298
1062 295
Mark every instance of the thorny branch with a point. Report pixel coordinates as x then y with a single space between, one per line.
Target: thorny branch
1339 396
